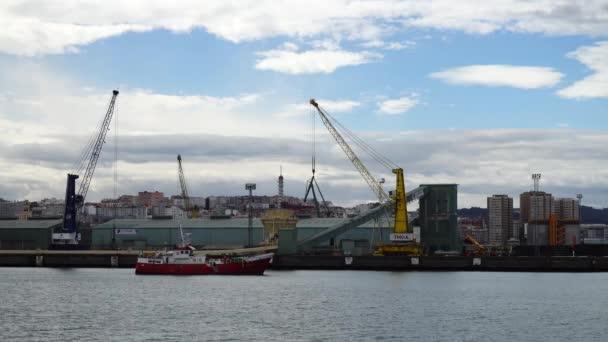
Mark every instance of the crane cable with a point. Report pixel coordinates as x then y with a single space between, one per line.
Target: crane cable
381 159
115 150
314 141
86 151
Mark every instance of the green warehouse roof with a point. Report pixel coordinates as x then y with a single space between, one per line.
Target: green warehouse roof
186 223
28 224
216 223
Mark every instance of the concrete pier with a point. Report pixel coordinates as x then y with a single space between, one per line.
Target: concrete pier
127 259
443 263
95 258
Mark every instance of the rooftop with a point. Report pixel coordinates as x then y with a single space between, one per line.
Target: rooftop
216 223
28 224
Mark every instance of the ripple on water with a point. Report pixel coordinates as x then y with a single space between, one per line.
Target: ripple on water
39 304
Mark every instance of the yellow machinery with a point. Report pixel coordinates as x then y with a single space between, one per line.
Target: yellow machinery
275 220
402 242
557 229
480 249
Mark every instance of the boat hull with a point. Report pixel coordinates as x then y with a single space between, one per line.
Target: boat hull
251 266
255 267
176 269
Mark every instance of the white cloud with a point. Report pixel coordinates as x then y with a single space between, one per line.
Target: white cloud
286 60
47 103
38 27
389 45
397 106
524 77
45 117
595 57
332 106
339 106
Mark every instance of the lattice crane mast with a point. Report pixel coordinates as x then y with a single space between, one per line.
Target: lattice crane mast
75 201
184 187
374 185
397 198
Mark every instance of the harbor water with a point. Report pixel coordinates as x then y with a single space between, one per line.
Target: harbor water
43 304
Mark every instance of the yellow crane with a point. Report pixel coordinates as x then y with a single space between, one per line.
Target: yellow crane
402 242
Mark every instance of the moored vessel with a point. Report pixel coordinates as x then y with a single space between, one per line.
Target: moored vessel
182 261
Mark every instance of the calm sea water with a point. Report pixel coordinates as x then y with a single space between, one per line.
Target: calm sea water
41 304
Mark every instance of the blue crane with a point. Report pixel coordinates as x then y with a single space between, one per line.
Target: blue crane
74 202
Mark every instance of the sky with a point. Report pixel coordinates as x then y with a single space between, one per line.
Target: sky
480 94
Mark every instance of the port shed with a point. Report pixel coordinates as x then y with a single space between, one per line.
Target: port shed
27 234
214 233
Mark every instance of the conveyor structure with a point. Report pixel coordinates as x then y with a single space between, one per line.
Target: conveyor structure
333 232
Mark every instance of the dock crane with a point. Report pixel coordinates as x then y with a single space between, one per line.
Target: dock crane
193 212
69 235
402 242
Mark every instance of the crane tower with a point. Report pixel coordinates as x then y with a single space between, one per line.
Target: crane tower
69 235
401 238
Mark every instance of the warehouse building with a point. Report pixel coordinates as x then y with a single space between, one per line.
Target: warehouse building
27 234
221 233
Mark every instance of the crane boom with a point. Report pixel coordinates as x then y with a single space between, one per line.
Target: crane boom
74 201
99 141
404 243
376 188
182 183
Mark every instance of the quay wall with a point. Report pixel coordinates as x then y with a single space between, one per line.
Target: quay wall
127 259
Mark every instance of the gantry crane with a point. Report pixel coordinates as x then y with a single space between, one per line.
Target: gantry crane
192 211
74 202
402 241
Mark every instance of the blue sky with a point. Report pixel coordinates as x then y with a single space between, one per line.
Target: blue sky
505 88
201 63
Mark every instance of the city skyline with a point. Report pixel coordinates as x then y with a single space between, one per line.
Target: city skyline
481 99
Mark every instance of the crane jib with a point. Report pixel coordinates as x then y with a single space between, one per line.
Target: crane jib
74 201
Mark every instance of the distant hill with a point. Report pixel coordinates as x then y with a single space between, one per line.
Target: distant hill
592 215
589 214
473 212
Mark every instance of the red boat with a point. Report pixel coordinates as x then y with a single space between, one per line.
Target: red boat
183 261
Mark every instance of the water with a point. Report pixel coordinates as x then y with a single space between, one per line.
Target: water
42 304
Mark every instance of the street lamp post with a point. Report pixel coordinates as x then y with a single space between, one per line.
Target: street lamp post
250 187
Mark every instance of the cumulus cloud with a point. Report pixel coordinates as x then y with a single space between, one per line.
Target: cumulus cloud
388 45
482 162
38 27
332 106
524 77
227 141
325 60
595 57
397 106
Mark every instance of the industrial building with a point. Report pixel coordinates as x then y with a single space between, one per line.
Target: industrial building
549 221
27 234
438 217
500 219
221 233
